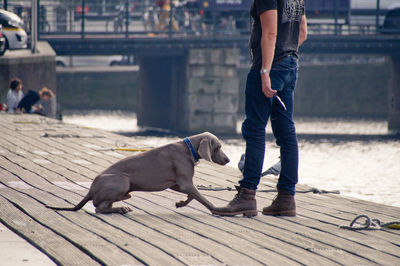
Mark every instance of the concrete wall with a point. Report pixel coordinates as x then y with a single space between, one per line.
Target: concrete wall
211 98
192 92
343 90
98 88
338 90
162 83
35 70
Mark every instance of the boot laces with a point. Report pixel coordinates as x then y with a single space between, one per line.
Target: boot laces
238 195
275 200
277 197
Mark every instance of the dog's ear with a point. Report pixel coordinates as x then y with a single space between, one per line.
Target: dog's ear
205 149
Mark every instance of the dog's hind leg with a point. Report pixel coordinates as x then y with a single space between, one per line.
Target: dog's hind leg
125 197
106 207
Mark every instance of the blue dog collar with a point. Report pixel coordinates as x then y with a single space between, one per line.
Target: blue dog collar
190 147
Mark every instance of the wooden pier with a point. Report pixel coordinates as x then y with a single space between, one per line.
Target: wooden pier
46 162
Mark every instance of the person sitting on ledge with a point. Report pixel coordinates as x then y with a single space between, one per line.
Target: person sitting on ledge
29 104
14 94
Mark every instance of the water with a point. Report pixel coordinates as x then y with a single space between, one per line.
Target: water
356 156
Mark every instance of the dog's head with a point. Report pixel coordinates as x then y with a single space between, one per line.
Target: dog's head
210 149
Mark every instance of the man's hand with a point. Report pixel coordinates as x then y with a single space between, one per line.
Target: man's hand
266 86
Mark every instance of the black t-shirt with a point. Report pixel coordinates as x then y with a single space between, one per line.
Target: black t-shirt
28 100
289 21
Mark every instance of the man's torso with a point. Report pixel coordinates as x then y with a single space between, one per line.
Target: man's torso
289 21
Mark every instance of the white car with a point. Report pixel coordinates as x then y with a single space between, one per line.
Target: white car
2 41
392 17
13 31
90 61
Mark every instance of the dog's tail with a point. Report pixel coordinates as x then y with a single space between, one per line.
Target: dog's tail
77 207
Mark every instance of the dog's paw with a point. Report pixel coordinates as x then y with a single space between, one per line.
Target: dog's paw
124 210
180 204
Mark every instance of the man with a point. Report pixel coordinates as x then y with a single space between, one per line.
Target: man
279 28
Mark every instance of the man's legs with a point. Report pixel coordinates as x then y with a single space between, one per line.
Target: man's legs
257 109
284 131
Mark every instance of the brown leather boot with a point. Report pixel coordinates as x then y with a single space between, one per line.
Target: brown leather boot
243 203
283 204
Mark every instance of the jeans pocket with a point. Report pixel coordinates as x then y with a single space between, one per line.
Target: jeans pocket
289 63
278 80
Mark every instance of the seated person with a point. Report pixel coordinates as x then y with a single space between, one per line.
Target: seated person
14 94
28 104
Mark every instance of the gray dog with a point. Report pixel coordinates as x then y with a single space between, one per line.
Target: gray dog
169 166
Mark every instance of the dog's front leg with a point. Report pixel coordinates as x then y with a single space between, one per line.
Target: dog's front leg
193 193
183 203
200 198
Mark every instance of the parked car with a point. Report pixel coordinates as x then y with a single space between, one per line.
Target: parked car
357 12
88 61
13 31
387 21
392 20
2 42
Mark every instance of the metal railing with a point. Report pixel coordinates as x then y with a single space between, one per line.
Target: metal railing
169 18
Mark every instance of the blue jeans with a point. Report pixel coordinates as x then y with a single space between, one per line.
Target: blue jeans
258 109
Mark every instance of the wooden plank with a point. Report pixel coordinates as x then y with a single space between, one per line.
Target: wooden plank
69 146
53 245
14 173
148 253
50 171
89 243
66 162
140 239
292 239
157 233
335 227
225 235
378 240
340 241
346 211
168 243
200 237
256 236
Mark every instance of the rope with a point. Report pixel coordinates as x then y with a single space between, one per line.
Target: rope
123 146
131 149
41 121
370 224
211 188
313 190
120 143
123 149
47 135
26 122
